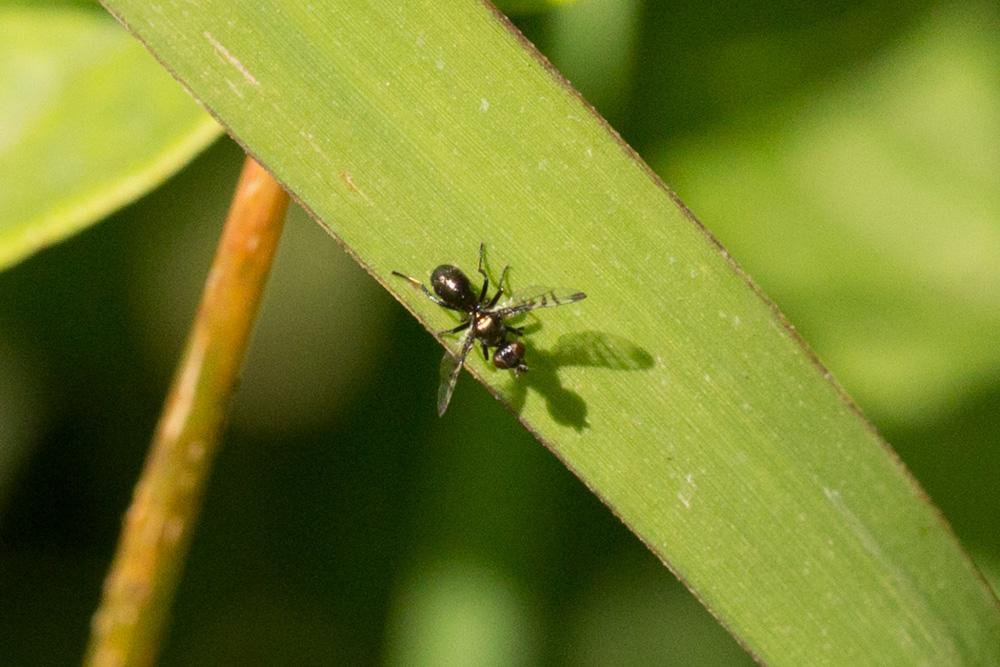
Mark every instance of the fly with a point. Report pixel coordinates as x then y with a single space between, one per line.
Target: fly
485 318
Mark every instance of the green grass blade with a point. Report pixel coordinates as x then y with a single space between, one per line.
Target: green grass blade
88 123
416 130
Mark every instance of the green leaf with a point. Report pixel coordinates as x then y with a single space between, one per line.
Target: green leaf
416 130
88 123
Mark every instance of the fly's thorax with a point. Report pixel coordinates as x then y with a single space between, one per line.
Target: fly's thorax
489 328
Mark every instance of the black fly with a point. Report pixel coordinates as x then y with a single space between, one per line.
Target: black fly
486 319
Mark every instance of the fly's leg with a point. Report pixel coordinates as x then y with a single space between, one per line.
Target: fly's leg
461 327
503 279
482 272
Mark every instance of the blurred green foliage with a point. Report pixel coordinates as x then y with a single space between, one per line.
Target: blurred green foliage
521 7
90 123
886 207
336 540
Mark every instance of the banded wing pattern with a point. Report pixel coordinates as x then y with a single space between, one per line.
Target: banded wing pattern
451 366
534 297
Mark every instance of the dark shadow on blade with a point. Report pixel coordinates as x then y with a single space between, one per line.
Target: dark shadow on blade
589 349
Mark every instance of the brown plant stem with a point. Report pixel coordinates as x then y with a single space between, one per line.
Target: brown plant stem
156 533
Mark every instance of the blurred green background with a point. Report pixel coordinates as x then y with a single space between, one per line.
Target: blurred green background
845 153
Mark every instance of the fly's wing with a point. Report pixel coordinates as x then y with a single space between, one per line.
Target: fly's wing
451 366
531 298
